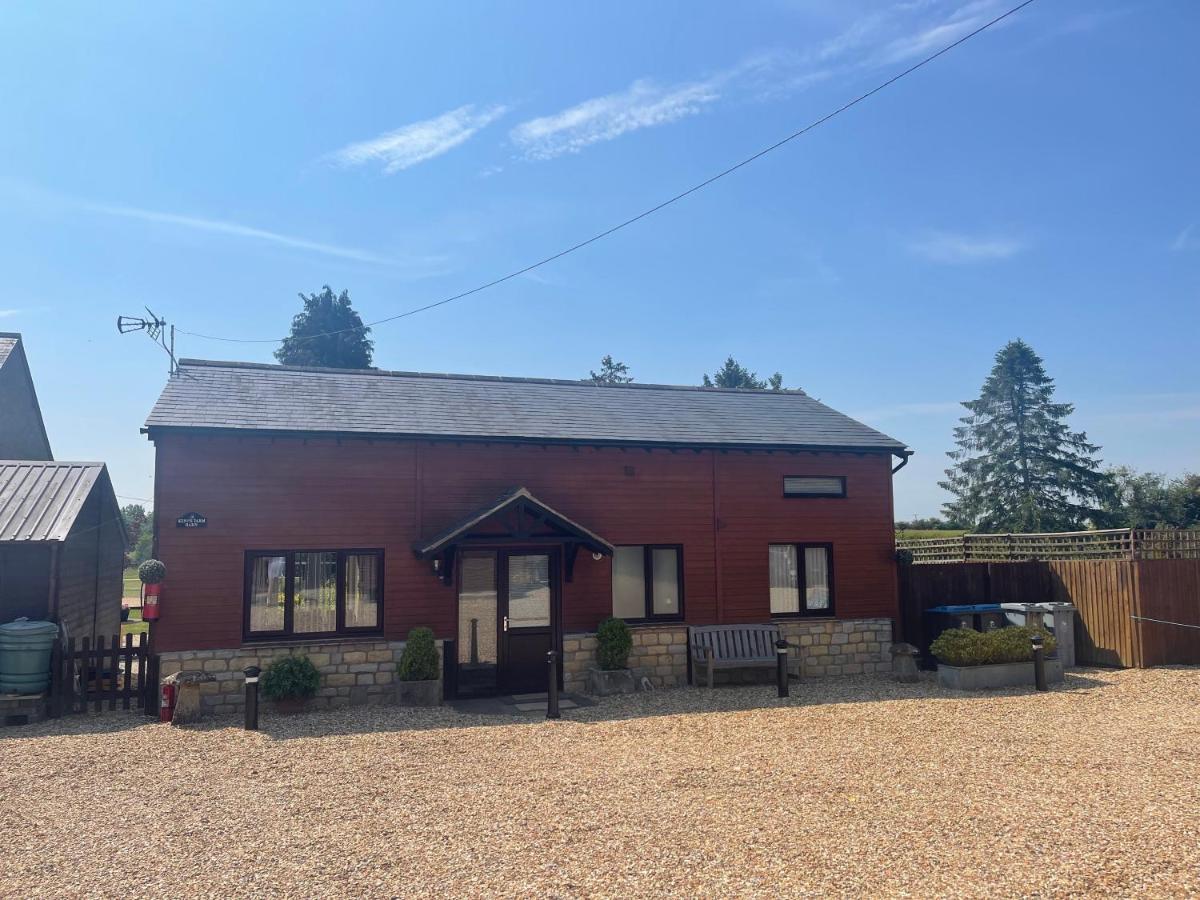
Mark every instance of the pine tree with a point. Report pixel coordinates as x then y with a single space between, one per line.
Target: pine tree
327 332
611 372
1018 467
734 375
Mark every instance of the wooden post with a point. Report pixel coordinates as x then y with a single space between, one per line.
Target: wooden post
127 681
85 650
114 672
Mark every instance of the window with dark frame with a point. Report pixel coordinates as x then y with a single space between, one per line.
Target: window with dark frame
814 486
313 593
648 582
801 579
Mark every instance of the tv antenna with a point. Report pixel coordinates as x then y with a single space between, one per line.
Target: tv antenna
156 329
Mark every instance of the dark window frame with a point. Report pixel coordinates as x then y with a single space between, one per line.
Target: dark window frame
804 612
289 580
809 495
648 583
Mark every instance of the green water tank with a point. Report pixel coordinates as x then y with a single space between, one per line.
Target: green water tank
25 656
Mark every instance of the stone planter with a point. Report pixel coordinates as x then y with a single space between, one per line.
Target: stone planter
606 682
977 678
419 693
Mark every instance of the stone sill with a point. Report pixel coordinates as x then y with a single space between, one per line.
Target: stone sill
312 642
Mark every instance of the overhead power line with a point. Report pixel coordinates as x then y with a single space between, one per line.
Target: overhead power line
645 213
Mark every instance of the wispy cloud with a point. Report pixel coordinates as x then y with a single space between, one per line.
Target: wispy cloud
8 313
952 248
883 37
420 141
235 229
642 105
1186 239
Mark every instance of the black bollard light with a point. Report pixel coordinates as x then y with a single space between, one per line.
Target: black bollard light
781 672
252 673
1039 664
552 689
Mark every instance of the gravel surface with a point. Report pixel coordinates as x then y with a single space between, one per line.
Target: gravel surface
854 786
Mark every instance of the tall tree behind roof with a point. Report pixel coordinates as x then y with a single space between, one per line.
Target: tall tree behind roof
327 332
611 372
734 375
1018 466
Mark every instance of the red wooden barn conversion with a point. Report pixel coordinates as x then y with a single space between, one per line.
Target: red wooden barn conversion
334 510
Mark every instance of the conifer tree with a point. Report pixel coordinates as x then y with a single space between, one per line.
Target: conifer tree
1018 466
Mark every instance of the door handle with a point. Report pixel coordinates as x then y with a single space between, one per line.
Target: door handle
506 623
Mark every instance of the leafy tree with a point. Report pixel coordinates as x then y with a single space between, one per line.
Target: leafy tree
143 549
611 372
734 375
1150 500
1018 467
327 332
134 516
930 523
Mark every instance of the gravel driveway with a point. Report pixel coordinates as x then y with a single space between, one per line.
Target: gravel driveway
855 786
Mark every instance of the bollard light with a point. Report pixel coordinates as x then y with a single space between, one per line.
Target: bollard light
552 687
1039 663
252 673
781 673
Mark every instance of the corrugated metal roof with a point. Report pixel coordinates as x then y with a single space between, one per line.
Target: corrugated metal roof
8 343
253 396
39 501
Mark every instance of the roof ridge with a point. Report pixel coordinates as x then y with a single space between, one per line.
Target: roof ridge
507 379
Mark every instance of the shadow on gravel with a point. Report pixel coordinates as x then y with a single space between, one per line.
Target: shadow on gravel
687 701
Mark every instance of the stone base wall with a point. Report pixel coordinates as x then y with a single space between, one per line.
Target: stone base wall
829 647
353 673
841 647
659 653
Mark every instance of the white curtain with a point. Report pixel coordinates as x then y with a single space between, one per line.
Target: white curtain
785 583
664 566
816 577
629 583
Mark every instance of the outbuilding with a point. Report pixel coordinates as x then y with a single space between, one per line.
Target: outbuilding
333 510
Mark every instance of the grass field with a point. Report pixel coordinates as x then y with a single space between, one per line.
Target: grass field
133 587
133 591
908 534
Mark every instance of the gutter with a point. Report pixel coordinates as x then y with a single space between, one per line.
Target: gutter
904 455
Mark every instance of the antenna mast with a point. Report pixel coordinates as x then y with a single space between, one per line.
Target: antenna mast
156 329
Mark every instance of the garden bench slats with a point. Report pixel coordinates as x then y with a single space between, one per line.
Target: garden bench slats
731 647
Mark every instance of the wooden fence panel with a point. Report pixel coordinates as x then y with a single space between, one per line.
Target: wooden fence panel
1103 592
102 675
1169 591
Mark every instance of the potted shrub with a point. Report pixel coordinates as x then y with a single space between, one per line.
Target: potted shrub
614 642
290 682
417 681
971 660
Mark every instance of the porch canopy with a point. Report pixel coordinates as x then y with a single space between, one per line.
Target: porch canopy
515 517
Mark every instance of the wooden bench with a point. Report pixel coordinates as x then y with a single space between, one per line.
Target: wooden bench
732 647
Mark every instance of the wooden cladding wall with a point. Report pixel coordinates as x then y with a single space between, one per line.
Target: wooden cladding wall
1114 600
293 494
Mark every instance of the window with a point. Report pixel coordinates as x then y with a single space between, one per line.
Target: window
801 579
648 582
305 593
810 486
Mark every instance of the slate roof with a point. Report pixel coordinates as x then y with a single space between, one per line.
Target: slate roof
258 397
39 501
509 498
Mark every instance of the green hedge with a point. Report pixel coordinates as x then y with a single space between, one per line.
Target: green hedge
419 659
967 647
614 642
291 678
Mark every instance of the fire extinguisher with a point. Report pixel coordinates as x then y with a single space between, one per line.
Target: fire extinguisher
166 704
150 602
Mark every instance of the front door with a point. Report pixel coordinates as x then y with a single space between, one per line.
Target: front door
527 620
507 620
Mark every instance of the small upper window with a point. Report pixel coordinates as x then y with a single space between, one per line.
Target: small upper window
814 486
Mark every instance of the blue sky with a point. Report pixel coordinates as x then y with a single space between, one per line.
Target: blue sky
212 160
